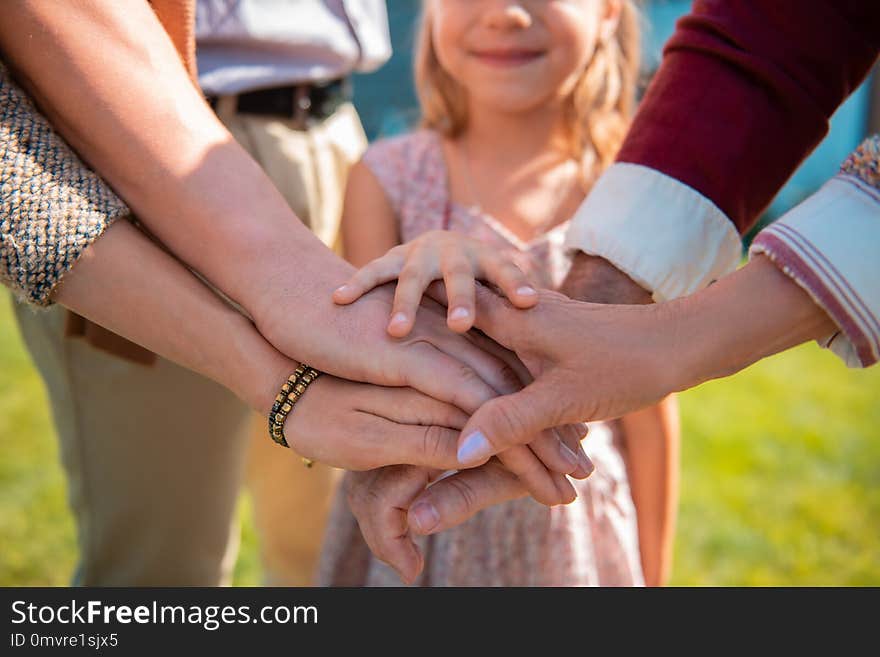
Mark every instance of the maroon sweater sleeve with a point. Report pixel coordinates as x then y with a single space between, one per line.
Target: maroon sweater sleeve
745 92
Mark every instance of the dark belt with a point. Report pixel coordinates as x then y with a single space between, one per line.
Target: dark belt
302 103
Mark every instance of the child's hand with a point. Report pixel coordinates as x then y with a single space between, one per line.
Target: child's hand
456 259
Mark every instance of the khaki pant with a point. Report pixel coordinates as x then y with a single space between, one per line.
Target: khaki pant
153 489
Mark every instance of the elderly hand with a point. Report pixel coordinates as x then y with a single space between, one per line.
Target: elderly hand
381 501
589 362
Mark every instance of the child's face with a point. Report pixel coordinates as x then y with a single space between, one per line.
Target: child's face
516 56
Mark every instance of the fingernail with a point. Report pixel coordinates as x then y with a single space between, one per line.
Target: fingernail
588 466
399 318
342 289
475 449
425 517
526 291
460 313
569 456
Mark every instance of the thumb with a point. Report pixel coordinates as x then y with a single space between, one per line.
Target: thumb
509 420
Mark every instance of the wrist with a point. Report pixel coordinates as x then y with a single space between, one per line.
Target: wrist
254 370
595 279
290 279
753 313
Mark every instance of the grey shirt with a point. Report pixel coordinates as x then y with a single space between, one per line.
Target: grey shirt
244 45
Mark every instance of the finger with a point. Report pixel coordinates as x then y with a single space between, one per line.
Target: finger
453 500
503 354
522 461
379 501
538 481
567 493
502 272
558 455
549 447
578 430
378 272
459 278
498 319
393 541
571 435
409 406
415 276
497 373
429 446
448 379
437 292
510 420
563 456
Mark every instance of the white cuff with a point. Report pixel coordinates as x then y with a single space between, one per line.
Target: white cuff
666 236
830 246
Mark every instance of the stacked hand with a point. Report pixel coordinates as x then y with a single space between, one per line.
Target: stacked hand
391 502
340 423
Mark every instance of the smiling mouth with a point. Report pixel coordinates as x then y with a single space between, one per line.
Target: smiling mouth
506 58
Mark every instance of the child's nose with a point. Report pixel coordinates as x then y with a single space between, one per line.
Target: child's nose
506 15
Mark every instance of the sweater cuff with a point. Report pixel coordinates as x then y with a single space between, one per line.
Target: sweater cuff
666 236
828 245
52 206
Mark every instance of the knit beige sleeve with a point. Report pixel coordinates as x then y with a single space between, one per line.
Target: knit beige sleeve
52 205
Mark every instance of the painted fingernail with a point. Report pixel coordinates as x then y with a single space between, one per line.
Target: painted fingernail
425 517
569 456
475 449
460 313
526 291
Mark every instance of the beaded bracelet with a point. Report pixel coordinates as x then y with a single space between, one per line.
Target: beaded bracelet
291 392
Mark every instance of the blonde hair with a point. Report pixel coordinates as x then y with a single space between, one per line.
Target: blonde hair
599 107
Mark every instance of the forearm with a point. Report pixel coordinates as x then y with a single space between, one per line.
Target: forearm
127 284
651 438
130 109
753 313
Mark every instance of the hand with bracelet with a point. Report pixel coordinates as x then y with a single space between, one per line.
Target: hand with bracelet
346 424
249 246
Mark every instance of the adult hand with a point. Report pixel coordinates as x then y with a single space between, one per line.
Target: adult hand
589 362
596 280
351 342
357 426
596 362
381 502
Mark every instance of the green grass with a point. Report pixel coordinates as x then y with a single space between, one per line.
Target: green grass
780 477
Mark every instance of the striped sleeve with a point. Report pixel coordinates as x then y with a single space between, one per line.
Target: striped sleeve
830 246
